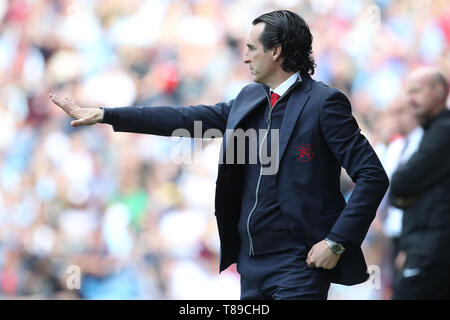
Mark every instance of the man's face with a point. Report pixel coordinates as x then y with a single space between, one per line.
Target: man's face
403 117
420 96
261 62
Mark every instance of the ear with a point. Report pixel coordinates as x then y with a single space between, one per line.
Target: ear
276 52
439 93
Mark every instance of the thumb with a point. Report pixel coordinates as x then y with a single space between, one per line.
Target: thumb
77 123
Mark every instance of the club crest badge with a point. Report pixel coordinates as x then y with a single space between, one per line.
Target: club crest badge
304 152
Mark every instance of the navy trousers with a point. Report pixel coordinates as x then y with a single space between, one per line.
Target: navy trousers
281 276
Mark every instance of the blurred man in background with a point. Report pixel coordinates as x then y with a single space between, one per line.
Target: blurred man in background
421 187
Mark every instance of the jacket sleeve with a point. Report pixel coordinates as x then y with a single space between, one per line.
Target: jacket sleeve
426 167
356 155
164 120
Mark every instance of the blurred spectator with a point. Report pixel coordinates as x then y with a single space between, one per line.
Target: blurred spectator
405 142
113 217
421 187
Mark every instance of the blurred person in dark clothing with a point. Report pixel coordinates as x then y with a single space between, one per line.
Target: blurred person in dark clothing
421 187
290 230
404 142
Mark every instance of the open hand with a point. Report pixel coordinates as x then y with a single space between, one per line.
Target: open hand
82 116
321 256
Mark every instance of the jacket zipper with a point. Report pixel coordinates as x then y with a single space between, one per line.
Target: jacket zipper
269 124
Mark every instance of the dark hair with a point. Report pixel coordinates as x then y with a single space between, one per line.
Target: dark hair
292 33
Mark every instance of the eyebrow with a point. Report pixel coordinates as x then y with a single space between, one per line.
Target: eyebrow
250 46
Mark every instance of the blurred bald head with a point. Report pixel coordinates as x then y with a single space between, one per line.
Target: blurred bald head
427 92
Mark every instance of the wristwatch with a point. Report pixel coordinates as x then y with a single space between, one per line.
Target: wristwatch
103 118
337 248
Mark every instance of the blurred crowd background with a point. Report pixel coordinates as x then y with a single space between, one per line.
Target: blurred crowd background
137 224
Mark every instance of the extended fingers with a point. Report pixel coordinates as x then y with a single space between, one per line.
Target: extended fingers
59 102
55 99
68 105
70 102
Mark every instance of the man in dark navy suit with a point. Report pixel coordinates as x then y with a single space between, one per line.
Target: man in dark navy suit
283 219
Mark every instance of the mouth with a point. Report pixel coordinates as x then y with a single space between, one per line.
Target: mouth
414 106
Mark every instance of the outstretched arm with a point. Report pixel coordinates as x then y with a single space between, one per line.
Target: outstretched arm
83 116
158 120
164 120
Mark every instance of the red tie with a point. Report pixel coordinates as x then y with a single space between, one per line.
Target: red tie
273 98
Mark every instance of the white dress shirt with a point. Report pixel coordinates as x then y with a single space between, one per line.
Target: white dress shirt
282 88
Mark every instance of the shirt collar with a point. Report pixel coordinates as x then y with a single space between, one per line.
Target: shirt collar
282 88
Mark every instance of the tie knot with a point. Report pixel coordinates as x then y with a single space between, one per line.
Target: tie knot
273 98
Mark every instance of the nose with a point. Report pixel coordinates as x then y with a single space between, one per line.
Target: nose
246 58
411 101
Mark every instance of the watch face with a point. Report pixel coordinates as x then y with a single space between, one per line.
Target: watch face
337 248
